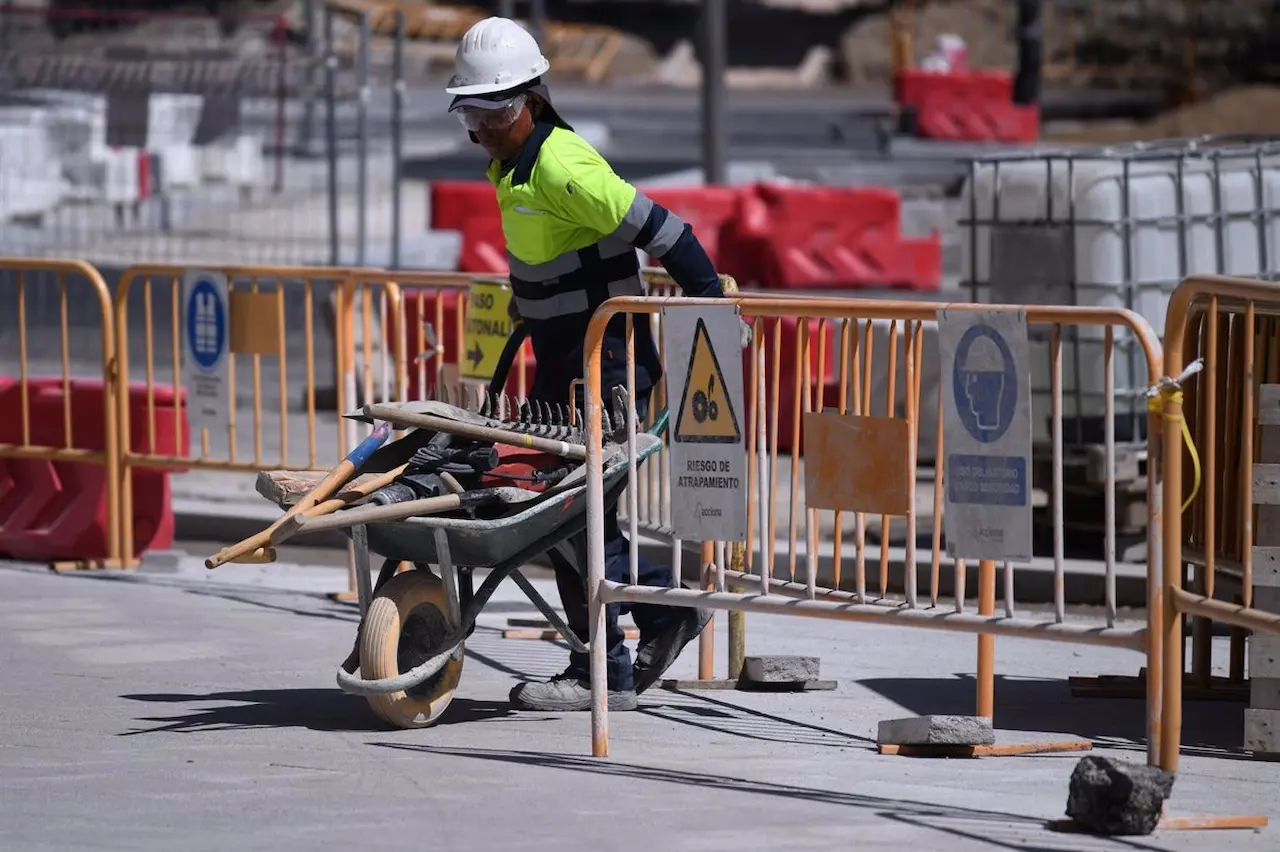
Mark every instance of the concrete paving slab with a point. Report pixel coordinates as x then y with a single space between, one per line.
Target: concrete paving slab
198 710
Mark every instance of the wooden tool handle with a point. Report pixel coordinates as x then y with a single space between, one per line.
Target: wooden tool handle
336 478
397 511
399 417
289 526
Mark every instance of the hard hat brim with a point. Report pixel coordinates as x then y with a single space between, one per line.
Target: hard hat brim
494 88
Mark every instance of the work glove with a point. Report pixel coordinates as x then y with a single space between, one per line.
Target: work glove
513 312
746 332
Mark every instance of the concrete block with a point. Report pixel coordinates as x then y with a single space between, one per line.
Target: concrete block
1266 598
1266 565
1262 731
937 730
1264 656
1264 693
1112 797
780 669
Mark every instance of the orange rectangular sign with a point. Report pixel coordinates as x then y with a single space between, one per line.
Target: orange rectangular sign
857 464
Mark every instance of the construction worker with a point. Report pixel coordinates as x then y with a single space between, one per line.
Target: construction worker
572 228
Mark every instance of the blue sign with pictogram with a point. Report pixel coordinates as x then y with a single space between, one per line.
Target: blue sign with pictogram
987 434
206 323
206 333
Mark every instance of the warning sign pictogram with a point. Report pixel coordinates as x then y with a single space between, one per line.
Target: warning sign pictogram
706 413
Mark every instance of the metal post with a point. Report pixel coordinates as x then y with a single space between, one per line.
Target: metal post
331 133
737 620
714 141
362 142
595 555
537 18
1026 82
707 638
397 136
306 128
986 674
1174 640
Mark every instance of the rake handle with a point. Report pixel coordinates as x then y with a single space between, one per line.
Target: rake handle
576 452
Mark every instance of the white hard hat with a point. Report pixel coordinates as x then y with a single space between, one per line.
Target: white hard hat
496 54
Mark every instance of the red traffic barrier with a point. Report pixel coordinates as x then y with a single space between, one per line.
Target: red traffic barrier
57 510
453 202
707 209
792 237
971 106
773 236
785 333
437 308
484 248
471 208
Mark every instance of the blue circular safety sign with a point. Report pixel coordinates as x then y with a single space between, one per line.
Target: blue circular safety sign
206 324
985 383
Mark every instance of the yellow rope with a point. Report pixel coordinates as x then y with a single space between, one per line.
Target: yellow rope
1156 405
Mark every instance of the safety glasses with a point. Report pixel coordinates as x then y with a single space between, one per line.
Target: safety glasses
496 117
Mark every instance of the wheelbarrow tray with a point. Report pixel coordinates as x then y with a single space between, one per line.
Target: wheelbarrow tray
520 518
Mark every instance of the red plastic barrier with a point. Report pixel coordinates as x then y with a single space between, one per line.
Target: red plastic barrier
420 307
975 106
471 208
793 237
785 333
453 202
484 248
57 510
772 236
707 208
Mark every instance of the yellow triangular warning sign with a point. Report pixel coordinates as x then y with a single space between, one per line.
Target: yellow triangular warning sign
706 414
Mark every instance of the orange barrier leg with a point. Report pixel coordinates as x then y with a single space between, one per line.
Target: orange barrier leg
986 642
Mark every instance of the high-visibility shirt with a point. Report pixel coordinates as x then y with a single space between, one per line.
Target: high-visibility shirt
572 228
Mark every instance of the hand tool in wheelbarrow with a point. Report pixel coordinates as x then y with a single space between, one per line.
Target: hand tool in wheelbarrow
360 515
256 548
316 502
427 475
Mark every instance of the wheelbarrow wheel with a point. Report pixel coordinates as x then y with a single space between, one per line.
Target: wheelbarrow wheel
402 629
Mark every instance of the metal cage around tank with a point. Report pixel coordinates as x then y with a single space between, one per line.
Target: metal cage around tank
1119 227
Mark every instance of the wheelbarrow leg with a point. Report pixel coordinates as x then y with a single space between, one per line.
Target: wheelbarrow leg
360 543
550 614
449 577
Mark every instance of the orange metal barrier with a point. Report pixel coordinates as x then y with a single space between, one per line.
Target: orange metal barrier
47 328
846 339
1222 425
285 429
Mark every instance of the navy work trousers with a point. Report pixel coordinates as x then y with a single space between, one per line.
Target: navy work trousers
571 582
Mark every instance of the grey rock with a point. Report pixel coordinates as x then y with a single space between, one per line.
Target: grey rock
1113 797
781 669
936 730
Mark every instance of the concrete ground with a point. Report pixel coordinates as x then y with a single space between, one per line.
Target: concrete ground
180 708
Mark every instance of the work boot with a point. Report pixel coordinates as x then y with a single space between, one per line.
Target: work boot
655 655
564 692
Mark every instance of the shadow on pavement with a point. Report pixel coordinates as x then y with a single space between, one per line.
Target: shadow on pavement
331 610
998 829
1209 728
326 710
722 717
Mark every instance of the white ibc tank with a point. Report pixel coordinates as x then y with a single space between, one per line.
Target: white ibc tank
1117 229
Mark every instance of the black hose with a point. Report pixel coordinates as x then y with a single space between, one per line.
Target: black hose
508 357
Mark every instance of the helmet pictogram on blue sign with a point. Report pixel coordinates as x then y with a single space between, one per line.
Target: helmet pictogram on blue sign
206 324
984 383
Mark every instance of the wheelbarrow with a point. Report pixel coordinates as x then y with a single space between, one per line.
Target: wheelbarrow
410 645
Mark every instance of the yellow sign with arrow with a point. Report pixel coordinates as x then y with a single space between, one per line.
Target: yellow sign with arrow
486 330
